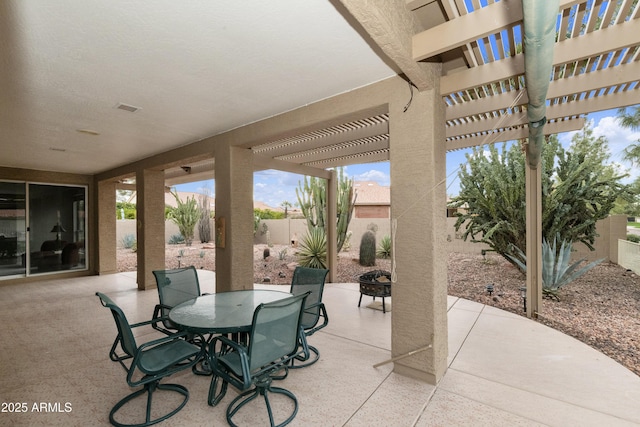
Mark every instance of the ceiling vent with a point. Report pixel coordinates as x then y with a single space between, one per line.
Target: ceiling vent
126 107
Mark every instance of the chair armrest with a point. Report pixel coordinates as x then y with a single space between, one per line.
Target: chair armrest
148 322
323 314
227 344
216 360
158 318
168 338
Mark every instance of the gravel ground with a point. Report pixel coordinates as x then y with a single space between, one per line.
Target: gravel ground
601 309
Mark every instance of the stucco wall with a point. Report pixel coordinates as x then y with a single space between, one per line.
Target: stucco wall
606 244
282 231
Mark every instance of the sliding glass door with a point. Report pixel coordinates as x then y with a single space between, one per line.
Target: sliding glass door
42 228
13 227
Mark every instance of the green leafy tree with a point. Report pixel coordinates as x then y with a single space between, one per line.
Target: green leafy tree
267 214
578 189
631 120
186 215
312 198
127 209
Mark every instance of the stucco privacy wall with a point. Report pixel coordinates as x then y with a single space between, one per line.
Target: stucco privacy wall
629 255
281 231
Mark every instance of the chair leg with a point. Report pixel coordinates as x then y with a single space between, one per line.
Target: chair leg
215 398
314 355
360 301
149 389
263 390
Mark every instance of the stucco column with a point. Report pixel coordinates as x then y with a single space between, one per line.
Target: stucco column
418 209
150 225
106 259
332 232
234 218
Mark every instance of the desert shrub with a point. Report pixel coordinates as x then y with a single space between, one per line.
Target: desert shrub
633 238
267 214
128 241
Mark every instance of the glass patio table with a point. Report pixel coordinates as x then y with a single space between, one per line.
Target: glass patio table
224 312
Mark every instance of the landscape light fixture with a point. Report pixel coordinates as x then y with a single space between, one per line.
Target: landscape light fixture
523 295
489 288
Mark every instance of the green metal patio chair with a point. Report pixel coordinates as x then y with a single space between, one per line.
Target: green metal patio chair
273 343
174 287
150 363
310 280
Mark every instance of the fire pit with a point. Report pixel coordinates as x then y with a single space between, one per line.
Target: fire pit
375 283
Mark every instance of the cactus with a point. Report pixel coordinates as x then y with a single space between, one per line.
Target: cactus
186 215
204 223
312 198
368 249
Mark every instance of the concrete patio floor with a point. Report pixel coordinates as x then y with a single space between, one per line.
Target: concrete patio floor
504 370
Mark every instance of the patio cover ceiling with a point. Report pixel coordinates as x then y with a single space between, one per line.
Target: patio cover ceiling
72 71
595 67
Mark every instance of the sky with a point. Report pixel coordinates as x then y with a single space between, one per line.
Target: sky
272 187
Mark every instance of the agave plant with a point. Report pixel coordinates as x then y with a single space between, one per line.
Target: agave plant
313 249
384 249
556 271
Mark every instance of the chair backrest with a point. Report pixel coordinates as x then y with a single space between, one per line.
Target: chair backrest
275 331
309 280
176 286
127 341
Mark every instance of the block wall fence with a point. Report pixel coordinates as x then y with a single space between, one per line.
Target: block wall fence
290 231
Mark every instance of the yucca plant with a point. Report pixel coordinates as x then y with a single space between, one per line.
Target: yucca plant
384 249
313 249
556 271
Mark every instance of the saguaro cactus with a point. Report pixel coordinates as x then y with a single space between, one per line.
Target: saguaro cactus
312 198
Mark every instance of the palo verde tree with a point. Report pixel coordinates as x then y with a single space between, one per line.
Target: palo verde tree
186 215
578 189
312 198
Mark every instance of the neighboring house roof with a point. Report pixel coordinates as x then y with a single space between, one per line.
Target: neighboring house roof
371 193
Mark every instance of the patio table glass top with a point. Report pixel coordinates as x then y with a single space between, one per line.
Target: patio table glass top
223 312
